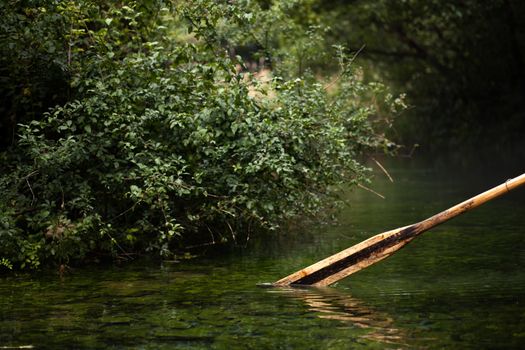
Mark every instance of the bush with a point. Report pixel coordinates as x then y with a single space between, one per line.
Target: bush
168 144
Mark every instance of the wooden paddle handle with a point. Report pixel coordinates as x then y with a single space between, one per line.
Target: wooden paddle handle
471 203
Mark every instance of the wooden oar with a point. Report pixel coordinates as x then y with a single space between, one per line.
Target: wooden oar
381 246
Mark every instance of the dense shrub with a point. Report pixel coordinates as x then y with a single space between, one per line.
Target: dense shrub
166 143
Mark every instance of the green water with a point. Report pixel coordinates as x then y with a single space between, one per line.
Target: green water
461 285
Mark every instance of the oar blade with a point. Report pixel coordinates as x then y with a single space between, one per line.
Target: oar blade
380 255
351 260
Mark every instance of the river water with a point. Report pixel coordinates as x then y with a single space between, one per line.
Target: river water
460 285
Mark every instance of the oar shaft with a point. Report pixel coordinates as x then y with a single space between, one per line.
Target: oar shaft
472 203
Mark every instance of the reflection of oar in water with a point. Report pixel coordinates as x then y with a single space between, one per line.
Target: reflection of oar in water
378 247
331 304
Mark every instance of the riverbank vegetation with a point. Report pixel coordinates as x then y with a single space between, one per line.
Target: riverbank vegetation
142 127
149 127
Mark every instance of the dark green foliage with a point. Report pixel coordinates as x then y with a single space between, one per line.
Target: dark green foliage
461 63
163 143
32 79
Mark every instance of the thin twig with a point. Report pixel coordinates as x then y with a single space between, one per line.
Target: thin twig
371 190
124 212
211 234
32 193
119 246
357 54
31 174
63 204
341 74
233 233
384 170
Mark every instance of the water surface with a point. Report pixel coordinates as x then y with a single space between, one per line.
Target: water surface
460 285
